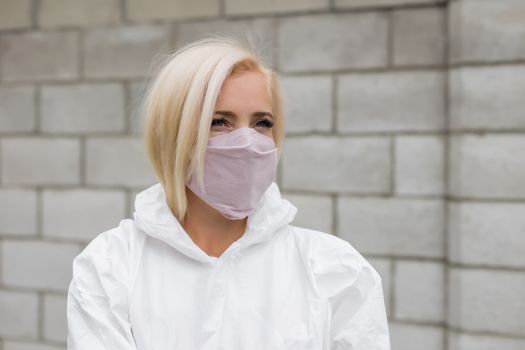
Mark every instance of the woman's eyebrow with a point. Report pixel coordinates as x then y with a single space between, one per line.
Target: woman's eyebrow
262 114
255 114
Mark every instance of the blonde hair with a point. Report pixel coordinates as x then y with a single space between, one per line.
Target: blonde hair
179 104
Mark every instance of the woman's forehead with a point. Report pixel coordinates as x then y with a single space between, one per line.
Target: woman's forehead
244 89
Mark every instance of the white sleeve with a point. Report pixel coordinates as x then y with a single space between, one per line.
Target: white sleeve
97 307
354 290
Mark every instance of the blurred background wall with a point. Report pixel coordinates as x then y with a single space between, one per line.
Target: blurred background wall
405 136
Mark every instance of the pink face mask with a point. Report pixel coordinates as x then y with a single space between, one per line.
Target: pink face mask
239 167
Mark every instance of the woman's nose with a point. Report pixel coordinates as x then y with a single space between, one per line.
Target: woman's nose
242 123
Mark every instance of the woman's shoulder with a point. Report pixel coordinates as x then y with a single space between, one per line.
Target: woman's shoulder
334 262
113 243
98 294
327 247
109 253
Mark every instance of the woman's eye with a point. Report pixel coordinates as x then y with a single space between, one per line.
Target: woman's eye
265 123
218 122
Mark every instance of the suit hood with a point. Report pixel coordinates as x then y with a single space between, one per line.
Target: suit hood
153 216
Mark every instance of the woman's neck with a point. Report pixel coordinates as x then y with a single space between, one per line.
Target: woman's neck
208 228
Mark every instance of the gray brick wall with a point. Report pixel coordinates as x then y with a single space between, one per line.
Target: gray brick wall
412 112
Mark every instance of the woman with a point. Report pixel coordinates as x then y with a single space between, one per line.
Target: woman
210 259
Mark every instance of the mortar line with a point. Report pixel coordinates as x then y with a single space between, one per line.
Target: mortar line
82 140
335 214
37 100
129 204
446 180
33 13
40 317
80 52
390 38
39 212
123 12
222 9
127 106
393 273
334 80
392 141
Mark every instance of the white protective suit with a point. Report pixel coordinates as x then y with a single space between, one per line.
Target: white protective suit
146 285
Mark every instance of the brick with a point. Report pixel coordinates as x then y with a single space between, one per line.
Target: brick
36 161
308 42
411 336
83 108
81 214
55 322
313 211
258 32
358 165
308 103
489 166
410 101
418 37
237 7
383 267
18 345
118 162
419 167
125 52
17 109
488 98
486 31
487 300
420 289
56 13
19 316
38 264
391 226
380 3
57 57
15 14
19 212
138 10
487 234
137 93
458 341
